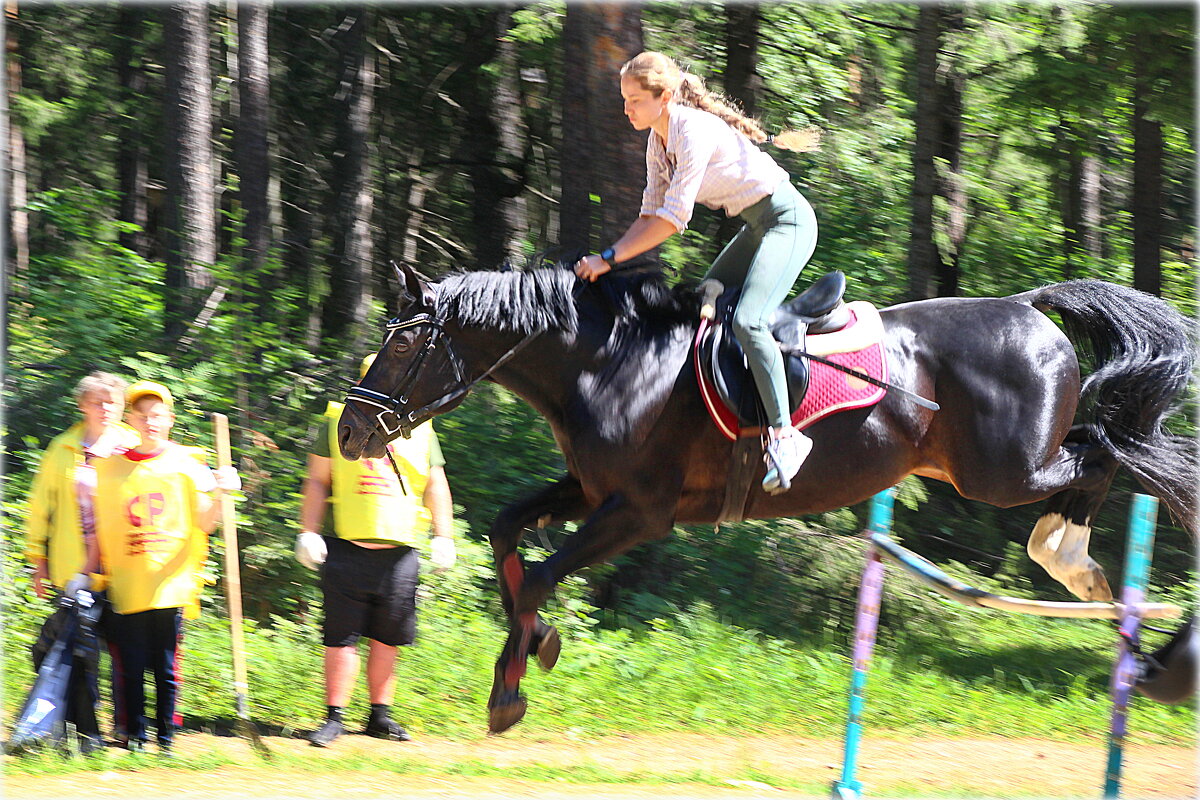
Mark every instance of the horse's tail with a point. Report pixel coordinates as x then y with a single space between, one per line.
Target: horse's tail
1142 358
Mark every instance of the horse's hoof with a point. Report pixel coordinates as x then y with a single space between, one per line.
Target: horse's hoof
549 648
506 713
1100 592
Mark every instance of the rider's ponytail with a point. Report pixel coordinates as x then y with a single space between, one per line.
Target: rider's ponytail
657 73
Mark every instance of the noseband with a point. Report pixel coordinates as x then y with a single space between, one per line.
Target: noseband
387 410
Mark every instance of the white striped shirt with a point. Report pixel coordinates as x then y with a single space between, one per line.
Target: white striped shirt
704 161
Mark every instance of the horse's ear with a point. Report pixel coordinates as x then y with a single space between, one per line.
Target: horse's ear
412 286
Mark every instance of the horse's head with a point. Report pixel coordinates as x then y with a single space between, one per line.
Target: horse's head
416 374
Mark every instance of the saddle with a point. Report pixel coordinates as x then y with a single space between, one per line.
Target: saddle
817 322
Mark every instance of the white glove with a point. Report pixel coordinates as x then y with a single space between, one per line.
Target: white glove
80 581
228 479
310 549
441 552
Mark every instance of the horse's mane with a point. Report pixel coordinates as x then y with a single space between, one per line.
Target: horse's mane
549 298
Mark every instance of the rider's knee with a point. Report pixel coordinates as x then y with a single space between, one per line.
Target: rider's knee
747 326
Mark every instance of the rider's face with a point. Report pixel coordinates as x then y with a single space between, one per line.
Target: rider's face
642 107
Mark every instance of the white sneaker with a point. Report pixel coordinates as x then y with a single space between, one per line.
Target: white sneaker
785 456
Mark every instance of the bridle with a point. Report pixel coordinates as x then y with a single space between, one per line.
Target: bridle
387 410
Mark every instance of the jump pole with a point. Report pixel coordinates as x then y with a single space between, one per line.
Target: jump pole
1131 611
1142 517
866 622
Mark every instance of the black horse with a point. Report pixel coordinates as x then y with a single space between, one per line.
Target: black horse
609 366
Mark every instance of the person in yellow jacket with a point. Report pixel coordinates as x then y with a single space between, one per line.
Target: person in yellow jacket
60 536
155 506
369 563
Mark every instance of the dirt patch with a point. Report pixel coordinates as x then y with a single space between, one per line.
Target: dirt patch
679 765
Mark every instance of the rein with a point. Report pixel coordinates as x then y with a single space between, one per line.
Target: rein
392 404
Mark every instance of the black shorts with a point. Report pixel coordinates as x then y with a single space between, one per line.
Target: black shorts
371 593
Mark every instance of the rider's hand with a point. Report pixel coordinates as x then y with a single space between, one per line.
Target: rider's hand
591 267
310 549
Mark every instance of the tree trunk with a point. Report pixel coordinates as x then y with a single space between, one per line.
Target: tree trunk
1147 202
1089 205
132 171
191 245
18 218
252 151
742 82
924 262
493 148
575 205
952 184
601 154
349 302
298 128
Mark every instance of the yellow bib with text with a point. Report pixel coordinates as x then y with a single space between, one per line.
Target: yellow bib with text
150 545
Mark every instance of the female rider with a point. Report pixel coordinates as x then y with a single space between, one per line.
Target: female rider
702 150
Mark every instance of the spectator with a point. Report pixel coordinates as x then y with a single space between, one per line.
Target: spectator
61 534
155 506
369 578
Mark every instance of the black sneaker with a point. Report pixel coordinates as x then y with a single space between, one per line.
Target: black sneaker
323 736
387 728
90 745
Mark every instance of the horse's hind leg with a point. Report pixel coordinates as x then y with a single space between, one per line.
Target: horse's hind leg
1060 538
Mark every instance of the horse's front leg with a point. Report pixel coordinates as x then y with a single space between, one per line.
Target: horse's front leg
612 529
558 502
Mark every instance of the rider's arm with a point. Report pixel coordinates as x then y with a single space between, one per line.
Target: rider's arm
646 233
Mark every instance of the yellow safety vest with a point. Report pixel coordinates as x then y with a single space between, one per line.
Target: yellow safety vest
53 529
369 503
151 547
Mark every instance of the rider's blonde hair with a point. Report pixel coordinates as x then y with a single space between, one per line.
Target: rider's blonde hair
658 73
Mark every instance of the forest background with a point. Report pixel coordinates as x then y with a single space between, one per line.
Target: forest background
210 196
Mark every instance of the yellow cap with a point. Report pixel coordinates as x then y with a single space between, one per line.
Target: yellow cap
366 365
141 389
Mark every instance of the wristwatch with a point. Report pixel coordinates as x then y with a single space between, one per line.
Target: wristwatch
609 256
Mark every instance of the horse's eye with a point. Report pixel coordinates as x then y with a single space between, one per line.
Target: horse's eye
402 347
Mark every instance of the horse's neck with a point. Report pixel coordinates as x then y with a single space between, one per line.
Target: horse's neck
541 371
582 385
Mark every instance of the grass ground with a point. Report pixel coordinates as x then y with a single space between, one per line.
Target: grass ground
526 764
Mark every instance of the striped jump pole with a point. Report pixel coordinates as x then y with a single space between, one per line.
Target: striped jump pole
1131 610
866 621
1138 549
